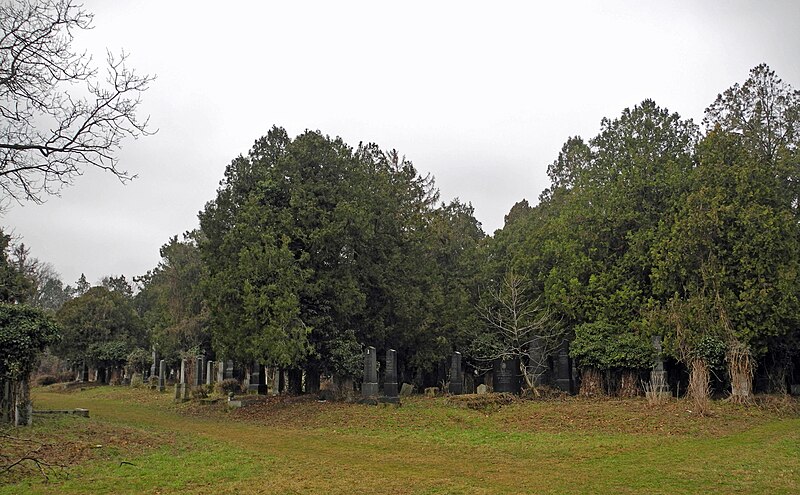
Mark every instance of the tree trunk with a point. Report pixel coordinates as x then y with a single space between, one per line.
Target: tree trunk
591 382
23 407
628 384
740 369
699 390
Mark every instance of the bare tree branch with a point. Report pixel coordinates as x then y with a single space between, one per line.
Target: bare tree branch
57 117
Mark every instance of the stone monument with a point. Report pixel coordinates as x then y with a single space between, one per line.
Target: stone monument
390 379
659 385
162 375
258 383
369 387
181 389
456 375
506 375
563 369
209 372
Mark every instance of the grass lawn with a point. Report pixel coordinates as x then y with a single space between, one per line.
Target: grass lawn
138 441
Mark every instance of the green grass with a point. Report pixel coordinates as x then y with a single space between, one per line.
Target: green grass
426 446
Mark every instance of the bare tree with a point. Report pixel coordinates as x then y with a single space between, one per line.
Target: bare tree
517 323
57 116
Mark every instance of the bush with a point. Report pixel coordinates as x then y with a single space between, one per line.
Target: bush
231 385
65 377
45 380
201 391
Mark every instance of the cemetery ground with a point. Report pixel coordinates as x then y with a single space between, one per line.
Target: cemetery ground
139 441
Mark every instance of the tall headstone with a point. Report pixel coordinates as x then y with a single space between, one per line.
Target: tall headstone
197 376
220 371
658 376
85 373
538 368
369 387
209 372
162 375
258 382
153 367
506 375
563 368
228 374
456 375
181 388
390 380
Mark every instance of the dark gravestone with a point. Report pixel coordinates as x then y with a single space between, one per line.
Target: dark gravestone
456 376
563 370
506 375
258 383
85 373
209 372
197 376
228 374
369 387
538 368
390 380
162 375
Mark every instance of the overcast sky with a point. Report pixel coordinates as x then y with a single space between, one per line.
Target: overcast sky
481 95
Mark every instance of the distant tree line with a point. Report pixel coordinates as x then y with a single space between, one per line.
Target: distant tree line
312 249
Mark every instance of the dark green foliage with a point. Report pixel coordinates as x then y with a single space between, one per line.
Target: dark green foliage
314 249
603 346
171 301
99 328
24 333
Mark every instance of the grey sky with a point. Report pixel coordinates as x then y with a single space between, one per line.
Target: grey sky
482 95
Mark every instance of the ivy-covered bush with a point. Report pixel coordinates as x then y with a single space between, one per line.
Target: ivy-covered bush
24 333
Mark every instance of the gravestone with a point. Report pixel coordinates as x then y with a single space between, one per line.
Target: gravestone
390 379
181 389
153 367
197 376
456 375
469 383
506 375
209 372
220 371
258 383
369 387
658 376
162 375
406 390
229 371
563 368
84 373
482 389
537 359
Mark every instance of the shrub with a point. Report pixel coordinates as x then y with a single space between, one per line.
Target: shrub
230 385
200 391
65 377
45 380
